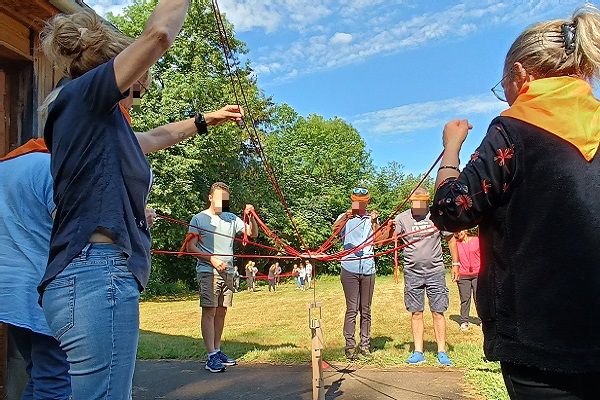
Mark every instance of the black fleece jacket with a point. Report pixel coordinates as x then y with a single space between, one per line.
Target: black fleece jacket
537 203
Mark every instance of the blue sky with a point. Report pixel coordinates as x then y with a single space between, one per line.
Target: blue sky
397 70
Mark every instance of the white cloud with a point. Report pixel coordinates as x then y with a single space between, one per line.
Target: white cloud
340 38
418 116
271 15
103 7
391 26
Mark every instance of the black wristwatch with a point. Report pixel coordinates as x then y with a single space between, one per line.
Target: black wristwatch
201 124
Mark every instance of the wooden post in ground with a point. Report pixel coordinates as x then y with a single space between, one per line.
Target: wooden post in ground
317 345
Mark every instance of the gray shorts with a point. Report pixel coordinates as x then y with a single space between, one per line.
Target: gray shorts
415 287
214 291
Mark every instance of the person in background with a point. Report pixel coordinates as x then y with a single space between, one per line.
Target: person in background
309 271
253 272
277 274
296 275
236 279
250 276
532 188
302 276
271 275
211 233
465 272
424 273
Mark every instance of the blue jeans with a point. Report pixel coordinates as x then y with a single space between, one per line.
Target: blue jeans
92 307
47 365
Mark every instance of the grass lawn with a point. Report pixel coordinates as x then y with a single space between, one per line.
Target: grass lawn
273 328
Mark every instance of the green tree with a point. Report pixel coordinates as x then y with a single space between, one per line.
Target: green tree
192 76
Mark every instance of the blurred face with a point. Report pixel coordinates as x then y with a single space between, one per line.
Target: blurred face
420 207
359 207
219 201
461 236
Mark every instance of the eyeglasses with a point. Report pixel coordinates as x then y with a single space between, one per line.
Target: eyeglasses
360 191
498 90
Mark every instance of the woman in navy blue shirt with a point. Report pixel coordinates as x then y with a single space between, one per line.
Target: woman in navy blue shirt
99 256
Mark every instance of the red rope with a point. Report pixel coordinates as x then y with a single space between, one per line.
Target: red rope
252 133
284 257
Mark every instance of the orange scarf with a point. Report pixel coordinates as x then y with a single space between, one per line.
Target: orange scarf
125 113
32 146
564 107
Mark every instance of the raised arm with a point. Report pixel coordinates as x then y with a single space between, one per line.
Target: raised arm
463 200
342 219
160 32
175 132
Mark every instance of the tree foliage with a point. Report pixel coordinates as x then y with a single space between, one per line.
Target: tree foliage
316 161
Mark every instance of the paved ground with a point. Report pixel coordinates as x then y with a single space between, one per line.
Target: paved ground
187 380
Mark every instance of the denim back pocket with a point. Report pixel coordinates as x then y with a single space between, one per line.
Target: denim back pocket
59 305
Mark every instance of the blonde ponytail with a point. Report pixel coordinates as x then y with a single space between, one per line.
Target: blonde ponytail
561 47
77 43
587 41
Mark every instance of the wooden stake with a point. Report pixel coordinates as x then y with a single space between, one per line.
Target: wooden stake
317 346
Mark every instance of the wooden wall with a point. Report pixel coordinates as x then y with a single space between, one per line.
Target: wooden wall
26 77
20 50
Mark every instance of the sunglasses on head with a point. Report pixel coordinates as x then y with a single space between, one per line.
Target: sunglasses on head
360 191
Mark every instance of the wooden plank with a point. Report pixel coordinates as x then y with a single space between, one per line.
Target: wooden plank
31 13
15 35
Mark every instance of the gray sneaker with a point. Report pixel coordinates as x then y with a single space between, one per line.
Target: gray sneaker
350 354
365 352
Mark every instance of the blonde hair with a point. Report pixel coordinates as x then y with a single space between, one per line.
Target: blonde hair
542 48
77 43
43 109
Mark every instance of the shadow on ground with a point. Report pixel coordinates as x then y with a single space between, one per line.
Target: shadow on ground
153 345
428 346
472 320
188 380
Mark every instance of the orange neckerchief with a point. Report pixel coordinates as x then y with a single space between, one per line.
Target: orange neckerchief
125 113
32 146
563 106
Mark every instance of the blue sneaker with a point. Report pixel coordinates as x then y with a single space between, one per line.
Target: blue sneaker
416 358
214 364
443 359
226 360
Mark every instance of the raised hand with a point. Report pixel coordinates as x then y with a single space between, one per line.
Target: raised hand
455 133
227 113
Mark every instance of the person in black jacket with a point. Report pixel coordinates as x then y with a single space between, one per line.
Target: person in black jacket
532 187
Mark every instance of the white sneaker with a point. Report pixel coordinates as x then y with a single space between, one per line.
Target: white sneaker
464 326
